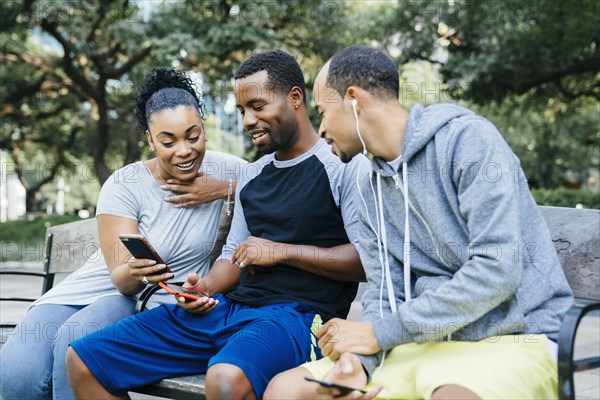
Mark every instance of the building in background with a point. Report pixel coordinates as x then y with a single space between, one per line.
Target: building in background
12 192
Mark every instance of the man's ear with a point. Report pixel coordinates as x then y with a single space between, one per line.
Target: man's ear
296 97
359 96
351 93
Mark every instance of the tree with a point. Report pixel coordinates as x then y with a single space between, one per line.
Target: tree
537 66
38 127
490 49
68 67
533 67
557 141
94 45
214 38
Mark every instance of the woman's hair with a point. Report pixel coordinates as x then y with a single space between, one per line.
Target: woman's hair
165 88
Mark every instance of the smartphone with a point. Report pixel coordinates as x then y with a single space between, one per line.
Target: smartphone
344 390
140 248
181 291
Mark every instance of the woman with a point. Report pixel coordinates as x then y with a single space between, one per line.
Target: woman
135 199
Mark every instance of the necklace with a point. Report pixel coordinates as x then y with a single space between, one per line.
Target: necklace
158 173
163 179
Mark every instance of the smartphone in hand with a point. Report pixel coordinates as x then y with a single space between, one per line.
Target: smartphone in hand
140 248
177 290
344 390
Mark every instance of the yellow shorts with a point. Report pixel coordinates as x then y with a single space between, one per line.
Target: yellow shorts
503 367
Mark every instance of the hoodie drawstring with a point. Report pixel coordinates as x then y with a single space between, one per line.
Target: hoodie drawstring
407 292
377 234
382 241
387 275
381 234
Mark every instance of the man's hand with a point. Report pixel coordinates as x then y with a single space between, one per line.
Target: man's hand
339 336
203 305
203 189
348 371
257 251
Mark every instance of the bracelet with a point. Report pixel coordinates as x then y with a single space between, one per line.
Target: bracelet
228 202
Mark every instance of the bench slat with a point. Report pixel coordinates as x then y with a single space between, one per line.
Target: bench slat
183 387
72 245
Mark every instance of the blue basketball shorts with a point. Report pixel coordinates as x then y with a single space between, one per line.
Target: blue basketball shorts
167 341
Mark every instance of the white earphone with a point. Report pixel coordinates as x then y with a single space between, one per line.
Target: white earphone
354 105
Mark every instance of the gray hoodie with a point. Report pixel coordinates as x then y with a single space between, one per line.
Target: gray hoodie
479 261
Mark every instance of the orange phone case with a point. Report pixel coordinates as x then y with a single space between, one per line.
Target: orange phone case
181 291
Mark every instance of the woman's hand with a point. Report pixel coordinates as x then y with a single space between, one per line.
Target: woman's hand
203 305
203 189
148 269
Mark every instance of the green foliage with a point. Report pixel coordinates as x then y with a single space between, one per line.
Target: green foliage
23 240
491 49
79 54
533 68
556 141
420 83
70 69
510 47
215 37
563 197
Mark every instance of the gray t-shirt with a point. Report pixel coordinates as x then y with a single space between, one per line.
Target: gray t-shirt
183 237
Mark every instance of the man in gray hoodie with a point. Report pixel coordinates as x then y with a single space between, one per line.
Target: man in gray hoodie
465 292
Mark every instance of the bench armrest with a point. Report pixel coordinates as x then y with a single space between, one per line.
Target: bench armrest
566 340
146 295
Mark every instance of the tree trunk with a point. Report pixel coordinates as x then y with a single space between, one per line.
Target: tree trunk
32 200
102 139
133 152
546 159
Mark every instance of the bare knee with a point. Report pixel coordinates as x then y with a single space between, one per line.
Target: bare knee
453 392
78 373
277 389
227 381
84 383
274 390
291 385
75 366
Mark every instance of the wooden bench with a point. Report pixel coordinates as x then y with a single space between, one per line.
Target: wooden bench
575 234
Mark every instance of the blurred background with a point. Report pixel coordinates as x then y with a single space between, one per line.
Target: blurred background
70 69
